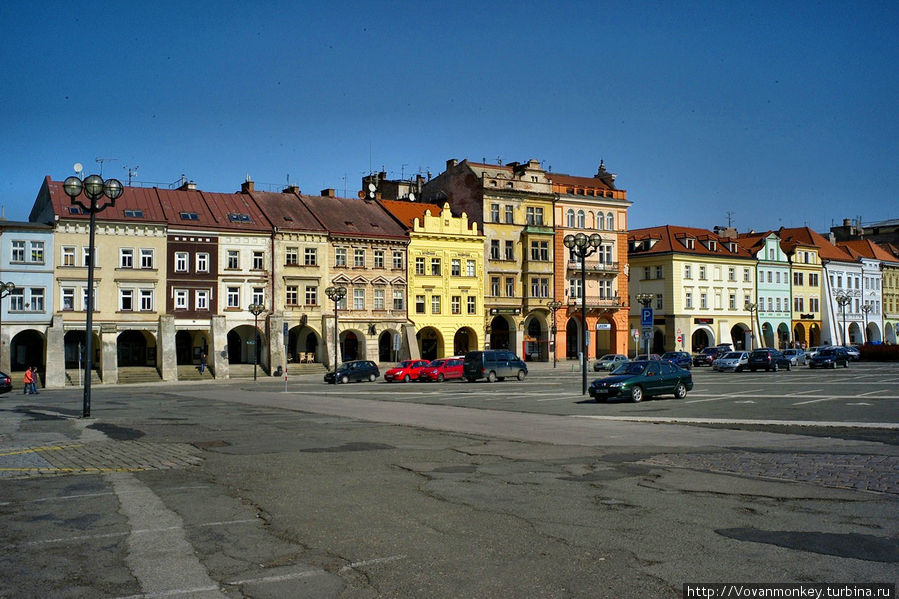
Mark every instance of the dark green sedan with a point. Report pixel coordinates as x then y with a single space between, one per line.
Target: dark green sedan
643 378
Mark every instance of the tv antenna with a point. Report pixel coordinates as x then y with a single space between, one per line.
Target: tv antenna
132 172
100 161
730 218
78 168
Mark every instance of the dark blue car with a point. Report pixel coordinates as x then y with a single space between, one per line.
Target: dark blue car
830 357
680 358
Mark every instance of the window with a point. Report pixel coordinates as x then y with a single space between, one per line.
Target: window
456 267
535 216
435 304
659 302
399 301
236 217
340 257
397 259
581 219
535 287
610 221
68 255
258 260
181 261
419 265
37 299
126 300
646 272
233 260
379 299
688 271
379 258
126 258
188 215
732 301
291 256
472 304
747 275
358 299
292 295
770 305
203 262
181 299
311 295
202 299
68 298
37 252
798 304
688 300
797 279
359 258
84 300
813 304
605 289
777 303
419 304
86 256
731 273
310 256
510 287
813 279
540 250
702 273
658 272
510 250
494 249
690 243
494 213
770 274
703 301
494 286
17 300
18 251
258 295
470 268
233 297
510 215
435 266
146 257
456 304
574 288
569 218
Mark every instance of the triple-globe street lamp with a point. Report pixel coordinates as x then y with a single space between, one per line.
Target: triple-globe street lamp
866 309
256 310
753 309
553 306
335 294
582 245
843 299
94 188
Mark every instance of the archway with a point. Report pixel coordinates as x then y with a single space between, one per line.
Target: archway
855 334
572 338
430 343
302 344
783 336
26 349
349 346
768 335
799 335
136 348
499 333
740 337
190 346
701 339
658 342
890 333
74 345
242 345
464 341
386 353
536 341
603 337
814 335
872 333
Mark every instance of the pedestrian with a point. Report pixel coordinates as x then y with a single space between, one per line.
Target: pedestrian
202 362
34 379
29 378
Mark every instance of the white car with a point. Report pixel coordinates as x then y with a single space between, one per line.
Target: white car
609 362
734 360
797 356
854 354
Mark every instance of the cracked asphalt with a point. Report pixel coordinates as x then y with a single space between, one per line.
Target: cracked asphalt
321 494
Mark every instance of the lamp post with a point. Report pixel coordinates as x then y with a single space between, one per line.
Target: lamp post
866 308
645 299
553 306
5 289
256 310
582 246
753 310
843 299
93 188
335 294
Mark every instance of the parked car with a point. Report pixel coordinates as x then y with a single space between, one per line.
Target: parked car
706 356
830 357
854 353
769 359
681 358
646 357
441 370
407 370
797 356
810 352
609 362
355 371
493 365
732 360
5 383
643 378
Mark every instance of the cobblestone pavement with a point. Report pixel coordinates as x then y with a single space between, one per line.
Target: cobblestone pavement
94 457
862 472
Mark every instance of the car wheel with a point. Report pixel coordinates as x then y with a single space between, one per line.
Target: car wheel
846 365
522 373
776 367
470 379
406 379
344 379
491 377
636 394
790 366
440 378
680 391
371 378
833 364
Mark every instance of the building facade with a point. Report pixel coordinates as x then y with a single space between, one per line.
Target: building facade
772 294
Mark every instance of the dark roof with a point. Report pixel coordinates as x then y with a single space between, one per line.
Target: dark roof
136 204
574 181
191 204
354 218
287 211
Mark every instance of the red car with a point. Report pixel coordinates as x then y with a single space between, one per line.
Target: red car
406 371
442 369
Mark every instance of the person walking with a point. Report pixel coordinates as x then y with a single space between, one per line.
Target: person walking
34 380
203 363
29 381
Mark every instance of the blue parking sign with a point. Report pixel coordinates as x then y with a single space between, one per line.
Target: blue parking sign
646 317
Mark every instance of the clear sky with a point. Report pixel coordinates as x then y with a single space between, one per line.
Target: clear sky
781 113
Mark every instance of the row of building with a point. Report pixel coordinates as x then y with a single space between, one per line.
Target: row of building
474 257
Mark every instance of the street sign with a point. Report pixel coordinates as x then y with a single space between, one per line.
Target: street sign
286 336
635 334
396 341
646 317
603 326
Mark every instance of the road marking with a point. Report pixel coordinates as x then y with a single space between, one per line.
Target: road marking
871 392
37 449
111 535
714 398
673 420
174 593
745 401
858 403
830 398
281 578
85 495
807 391
369 562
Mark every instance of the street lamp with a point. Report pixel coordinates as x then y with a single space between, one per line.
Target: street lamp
5 289
582 246
866 308
753 310
553 306
93 188
335 294
843 299
256 310
645 299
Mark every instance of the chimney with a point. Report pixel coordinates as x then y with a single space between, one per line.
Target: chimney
329 193
188 186
847 222
295 189
246 186
451 163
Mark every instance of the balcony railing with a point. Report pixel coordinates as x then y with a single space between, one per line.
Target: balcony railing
609 267
596 302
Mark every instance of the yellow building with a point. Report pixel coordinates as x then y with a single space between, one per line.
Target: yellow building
446 278
802 246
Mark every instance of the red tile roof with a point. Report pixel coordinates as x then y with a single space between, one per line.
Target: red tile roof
407 212
671 239
352 217
574 181
133 199
866 248
806 236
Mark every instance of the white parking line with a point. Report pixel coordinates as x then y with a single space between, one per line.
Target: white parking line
112 535
830 398
881 391
808 391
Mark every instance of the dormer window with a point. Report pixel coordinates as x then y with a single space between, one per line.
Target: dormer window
732 247
712 245
134 213
189 216
237 217
689 243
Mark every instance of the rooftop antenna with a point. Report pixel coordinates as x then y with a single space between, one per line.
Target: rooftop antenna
403 171
344 183
730 218
132 172
100 161
79 169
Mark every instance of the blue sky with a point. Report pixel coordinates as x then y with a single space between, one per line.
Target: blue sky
780 113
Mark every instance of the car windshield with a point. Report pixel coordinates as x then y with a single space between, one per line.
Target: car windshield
345 366
670 355
607 358
734 355
826 352
631 368
405 364
436 363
